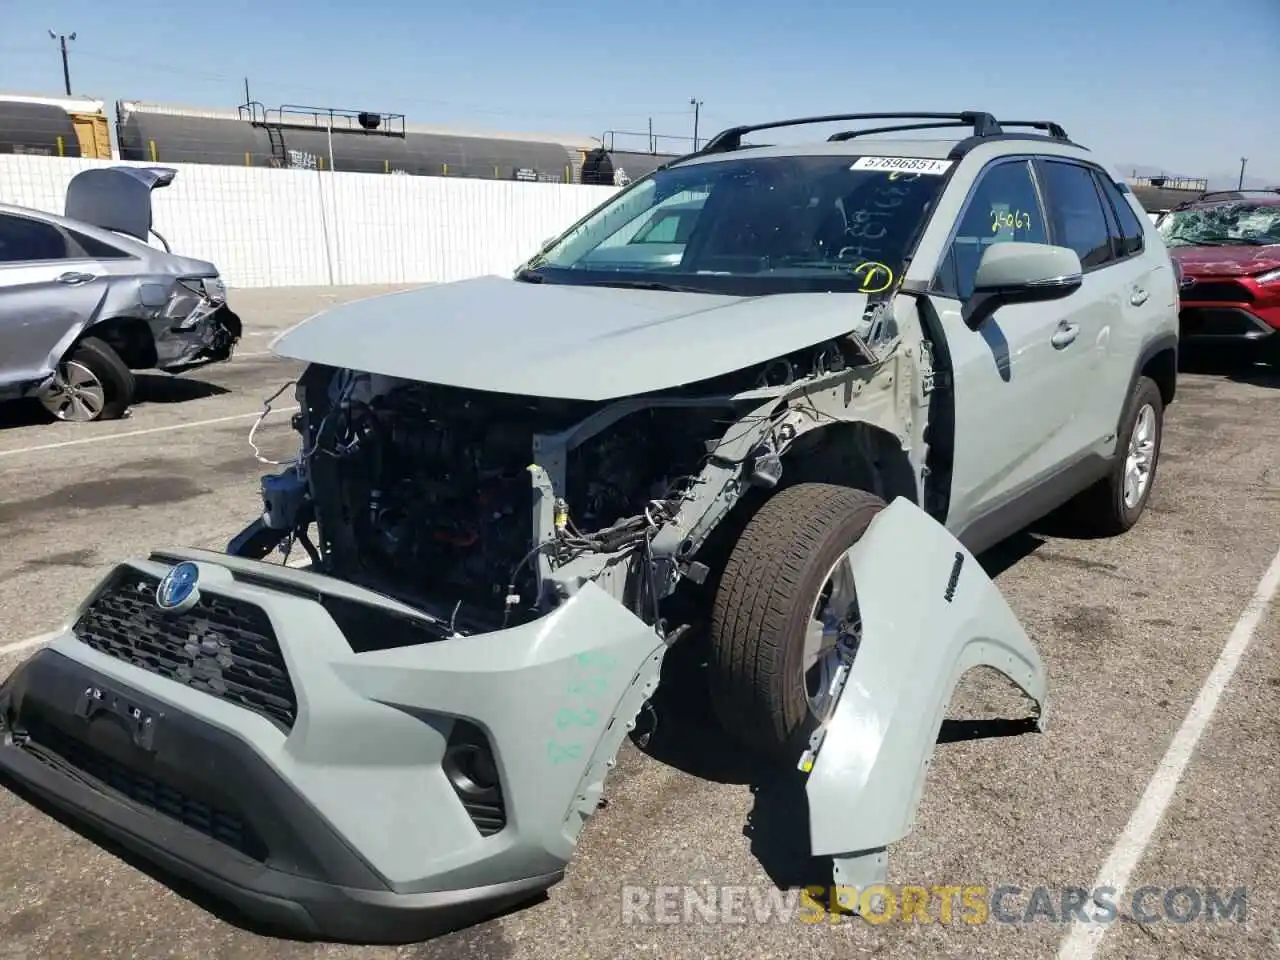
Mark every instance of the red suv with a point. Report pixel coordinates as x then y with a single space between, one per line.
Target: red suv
1227 249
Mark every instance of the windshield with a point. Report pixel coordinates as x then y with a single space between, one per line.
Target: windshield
751 227
1250 224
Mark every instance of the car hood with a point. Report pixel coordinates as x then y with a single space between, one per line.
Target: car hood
571 342
116 198
1237 261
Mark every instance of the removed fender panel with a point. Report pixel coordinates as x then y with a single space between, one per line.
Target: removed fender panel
929 614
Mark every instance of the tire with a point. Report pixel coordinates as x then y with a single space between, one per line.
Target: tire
93 384
764 601
1103 508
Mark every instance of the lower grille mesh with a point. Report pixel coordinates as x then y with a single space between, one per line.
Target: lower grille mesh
228 828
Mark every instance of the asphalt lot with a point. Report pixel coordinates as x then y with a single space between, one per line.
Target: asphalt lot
1130 629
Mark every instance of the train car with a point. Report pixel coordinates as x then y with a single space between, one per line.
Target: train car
342 140
322 138
54 126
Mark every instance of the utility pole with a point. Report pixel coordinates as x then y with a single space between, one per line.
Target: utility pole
1240 184
66 69
697 107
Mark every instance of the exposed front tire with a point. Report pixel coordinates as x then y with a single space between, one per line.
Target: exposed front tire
1114 504
785 616
90 383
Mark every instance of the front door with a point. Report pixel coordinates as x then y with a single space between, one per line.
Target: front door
1013 380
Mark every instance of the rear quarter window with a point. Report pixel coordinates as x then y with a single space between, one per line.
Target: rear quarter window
1131 231
97 249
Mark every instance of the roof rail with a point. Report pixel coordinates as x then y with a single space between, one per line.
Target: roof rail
1054 130
984 127
850 134
984 124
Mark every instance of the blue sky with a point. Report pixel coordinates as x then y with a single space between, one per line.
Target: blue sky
1182 84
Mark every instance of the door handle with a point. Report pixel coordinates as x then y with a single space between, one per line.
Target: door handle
74 278
1138 297
1065 334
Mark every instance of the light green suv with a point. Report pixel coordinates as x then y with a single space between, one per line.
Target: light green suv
769 399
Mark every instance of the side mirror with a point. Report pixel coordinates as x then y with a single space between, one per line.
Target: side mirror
1021 273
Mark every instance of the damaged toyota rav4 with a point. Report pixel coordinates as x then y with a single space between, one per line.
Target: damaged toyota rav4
767 399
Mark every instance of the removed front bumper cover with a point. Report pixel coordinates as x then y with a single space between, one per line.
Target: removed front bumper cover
329 805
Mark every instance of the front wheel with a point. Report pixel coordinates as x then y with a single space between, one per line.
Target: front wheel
90 383
785 616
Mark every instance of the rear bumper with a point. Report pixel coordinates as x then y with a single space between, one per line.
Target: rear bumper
211 339
120 762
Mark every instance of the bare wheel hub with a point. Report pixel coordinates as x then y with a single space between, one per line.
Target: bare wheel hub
75 395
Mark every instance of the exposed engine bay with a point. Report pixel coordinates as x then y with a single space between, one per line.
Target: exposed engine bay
425 491
483 510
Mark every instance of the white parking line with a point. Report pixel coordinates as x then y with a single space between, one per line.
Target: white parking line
17 646
58 445
1085 938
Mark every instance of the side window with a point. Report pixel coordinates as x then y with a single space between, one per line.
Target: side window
96 248
22 238
1132 237
1003 207
1076 209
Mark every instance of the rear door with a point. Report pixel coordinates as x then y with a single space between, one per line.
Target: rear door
48 288
1079 218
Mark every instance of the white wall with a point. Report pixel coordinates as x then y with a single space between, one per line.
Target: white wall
266 228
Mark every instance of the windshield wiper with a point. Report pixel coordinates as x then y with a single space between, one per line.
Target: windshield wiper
643 285
528 276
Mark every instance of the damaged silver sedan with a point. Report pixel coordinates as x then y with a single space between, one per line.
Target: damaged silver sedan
763 434
85 300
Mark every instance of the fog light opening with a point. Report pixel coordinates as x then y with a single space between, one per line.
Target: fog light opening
471 770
